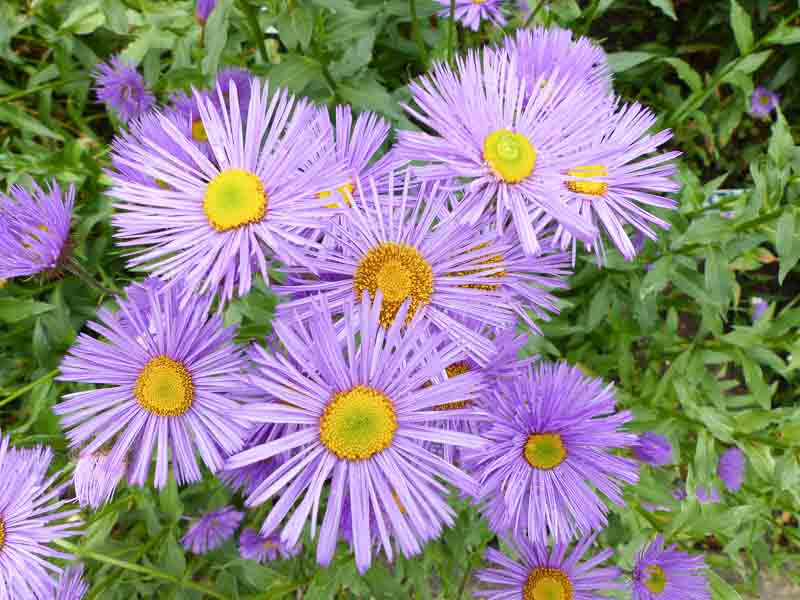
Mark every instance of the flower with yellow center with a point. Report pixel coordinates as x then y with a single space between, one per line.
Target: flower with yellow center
358 423
400 271
546 583
510 155
545 451
233 199
164 387
591 188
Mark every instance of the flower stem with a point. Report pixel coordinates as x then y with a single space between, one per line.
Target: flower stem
451 30
417 33
532 14
28 387
255 28
74 267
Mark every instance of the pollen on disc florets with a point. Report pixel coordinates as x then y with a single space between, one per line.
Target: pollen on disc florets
545 583
2 533
165 387
358 423
233 199
400 272
510 155
492 260
545 451
199 131
592 188
656 579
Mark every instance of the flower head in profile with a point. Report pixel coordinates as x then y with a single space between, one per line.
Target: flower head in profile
759 308
215 222
253 546
96 478
663 573
546 462
539 574
169 378
34 229
122 88
763 102
507 149
731 469
203 9
32 517
653 449
71 585
361 407
471 13
212 530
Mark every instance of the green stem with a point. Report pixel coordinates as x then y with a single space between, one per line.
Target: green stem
451 30
28 387
417 33
255 28
532 14
330 81
590 15
74 267
128 566
39 88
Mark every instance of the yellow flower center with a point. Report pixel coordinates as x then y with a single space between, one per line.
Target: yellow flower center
593 188
347 190
547 584
510 155
399 271
199 131
233 199
545 451
458 368
657 580
764 100
164 387
358 423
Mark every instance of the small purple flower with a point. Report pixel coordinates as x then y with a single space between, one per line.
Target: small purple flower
668 574
470 13
264 549
95 479
540 574
212 530
731 469
653 448
763 102
203 10
34 229
760 307
122 88
707 494
71 585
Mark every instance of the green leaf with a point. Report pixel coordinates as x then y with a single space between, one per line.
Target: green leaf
666 7
721 589
784 35
781 142
13 310
295 72
748 64
367 93
12 114
169 500
172 557
295 26
742 27
622 61
686 73
85 18
787 243
216 35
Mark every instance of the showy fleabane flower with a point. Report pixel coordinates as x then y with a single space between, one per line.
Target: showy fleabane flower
541 575
216 222
619 176
122 89
544 53
71 586
34 229
663 573
653 449
95 478
471 13
203 9
546 463
361 409
506 149
731 469
32 517
763 102
264 549
184 112
212 530
170 378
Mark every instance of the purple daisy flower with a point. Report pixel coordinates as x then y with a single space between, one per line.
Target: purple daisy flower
664 573
34 229
212 530
122 88
500 147
543 575
171 383
731 469
546 462
763 102
362 412
653 449
202 10
184 112
71 586
96 478
264 549
707 494
544 53
218 223
470 13
31 518
242 79
759 308
453 274
620 175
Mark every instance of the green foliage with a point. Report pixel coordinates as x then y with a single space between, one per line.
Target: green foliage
673 329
